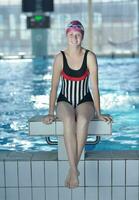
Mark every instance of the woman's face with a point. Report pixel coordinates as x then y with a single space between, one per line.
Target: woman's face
74 37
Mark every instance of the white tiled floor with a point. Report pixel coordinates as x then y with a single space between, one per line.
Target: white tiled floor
91 176
118 193
132 193
11 173
52 193
64 193
25 194
44 180
78 193
2 193
38 193
2 174
92 193
37 173
118 168
81 168
104 173
51 173
132 172
24 173
104 193
12 194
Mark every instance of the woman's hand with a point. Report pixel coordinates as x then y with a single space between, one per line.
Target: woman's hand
48 119
105 118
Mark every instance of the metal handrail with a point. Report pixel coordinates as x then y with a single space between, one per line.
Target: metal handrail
48 140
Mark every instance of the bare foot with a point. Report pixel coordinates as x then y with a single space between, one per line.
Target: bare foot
67 180
74 181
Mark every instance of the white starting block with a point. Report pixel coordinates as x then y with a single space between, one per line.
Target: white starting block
37 127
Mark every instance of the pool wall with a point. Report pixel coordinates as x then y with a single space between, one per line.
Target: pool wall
109 175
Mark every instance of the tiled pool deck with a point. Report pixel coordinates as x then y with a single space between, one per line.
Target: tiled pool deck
53 155
104 175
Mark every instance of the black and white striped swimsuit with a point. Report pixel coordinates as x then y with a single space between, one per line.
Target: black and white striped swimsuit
75 89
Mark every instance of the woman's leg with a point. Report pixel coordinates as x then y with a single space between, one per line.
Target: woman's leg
85 112
66 113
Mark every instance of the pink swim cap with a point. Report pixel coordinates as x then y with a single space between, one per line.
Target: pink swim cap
75 25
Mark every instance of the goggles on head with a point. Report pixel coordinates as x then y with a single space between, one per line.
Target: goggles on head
75 26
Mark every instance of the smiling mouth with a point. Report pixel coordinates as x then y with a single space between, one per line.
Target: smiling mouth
74 41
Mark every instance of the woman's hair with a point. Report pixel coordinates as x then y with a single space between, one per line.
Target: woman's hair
75 25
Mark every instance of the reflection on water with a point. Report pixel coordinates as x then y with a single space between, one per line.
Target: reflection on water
24 92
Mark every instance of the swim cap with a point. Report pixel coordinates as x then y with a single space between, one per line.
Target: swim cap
75 25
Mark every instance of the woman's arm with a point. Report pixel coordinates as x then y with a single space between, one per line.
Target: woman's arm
93 69
57 67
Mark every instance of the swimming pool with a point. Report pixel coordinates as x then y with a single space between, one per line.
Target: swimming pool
24 92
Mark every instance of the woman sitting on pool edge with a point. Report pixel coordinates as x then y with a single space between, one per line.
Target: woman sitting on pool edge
75 105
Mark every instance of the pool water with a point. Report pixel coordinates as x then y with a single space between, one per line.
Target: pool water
24 92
